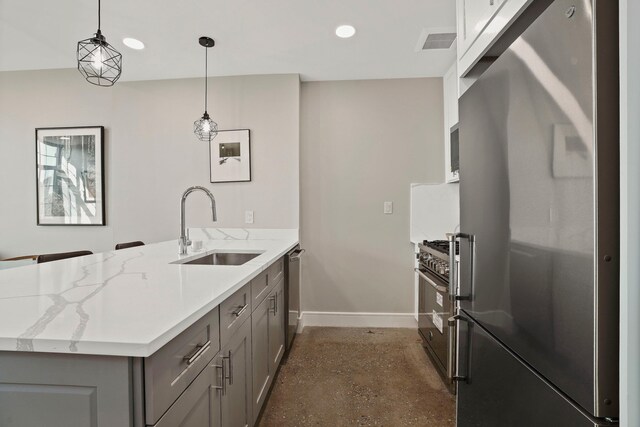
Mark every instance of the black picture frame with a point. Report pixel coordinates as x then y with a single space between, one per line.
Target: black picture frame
214 155
99 195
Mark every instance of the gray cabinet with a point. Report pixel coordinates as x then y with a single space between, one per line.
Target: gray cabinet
234 311
171 369
267 339
64 390
181 384
260 349
276 328
199 405
235 357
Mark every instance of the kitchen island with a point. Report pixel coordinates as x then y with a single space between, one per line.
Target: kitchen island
132 338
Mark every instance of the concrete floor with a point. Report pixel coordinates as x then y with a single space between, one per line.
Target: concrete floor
358 377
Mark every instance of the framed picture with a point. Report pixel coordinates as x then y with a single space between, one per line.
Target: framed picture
571 156
230 156
70 176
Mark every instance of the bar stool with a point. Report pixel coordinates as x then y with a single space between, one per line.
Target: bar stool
18 261
61 255
129 245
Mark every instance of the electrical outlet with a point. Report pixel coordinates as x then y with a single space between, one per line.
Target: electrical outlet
388 207
248 217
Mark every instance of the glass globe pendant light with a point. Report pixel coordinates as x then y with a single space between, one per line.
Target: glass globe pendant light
98 62
205 128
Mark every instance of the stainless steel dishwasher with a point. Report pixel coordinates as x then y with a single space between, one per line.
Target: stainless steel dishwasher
292 293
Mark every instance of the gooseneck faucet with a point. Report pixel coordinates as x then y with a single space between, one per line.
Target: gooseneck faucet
184 241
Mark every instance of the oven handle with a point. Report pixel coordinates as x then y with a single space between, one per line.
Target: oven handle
438 288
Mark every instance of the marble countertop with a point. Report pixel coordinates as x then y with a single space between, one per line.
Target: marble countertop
129 302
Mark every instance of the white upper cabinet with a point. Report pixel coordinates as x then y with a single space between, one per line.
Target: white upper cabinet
450 92
480 24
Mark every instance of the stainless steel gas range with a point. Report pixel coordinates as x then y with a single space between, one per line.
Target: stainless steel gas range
435 306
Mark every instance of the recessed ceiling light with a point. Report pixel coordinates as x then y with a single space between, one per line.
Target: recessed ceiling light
345 31
133 43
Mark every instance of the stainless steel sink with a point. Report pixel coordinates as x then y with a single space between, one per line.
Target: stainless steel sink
221 258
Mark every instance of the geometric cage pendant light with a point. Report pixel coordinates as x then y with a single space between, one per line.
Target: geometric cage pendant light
98 61
205 128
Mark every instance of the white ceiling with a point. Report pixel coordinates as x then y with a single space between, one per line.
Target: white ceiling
252 36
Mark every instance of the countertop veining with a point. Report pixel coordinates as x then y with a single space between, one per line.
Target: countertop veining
128 302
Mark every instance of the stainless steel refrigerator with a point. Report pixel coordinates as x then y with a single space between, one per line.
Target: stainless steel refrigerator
537 329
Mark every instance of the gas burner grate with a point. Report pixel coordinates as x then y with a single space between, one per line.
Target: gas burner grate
441 246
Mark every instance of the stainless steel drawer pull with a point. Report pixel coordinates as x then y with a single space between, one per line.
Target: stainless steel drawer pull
227 374
230 368
197 352
438 288
274 299
240 310
222 387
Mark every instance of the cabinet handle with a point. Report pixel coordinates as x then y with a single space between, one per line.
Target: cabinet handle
273 299
227 375
241 309
230 368
197 352
222 387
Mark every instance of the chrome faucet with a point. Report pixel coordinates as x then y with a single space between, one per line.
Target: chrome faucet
184 241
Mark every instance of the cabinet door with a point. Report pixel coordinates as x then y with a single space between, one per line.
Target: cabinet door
237 395
473 18
450 90
260 351
199 404
276 327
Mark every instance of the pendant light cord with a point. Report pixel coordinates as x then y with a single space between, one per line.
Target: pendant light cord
98 15
206 79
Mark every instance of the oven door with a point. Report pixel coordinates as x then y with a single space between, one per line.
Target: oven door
434 310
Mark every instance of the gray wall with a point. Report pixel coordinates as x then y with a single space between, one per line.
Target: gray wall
151 154
630 214
363 143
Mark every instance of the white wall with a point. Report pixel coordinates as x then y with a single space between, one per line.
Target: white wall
363 143
151 155
630 214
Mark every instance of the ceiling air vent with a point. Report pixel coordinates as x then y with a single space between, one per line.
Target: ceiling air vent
439 41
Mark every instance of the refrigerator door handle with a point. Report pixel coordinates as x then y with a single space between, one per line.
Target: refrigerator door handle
453 265
454 361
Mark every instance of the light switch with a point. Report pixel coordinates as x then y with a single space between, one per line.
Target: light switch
388 207
248 217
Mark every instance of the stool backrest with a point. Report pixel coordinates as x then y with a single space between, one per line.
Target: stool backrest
129 245
61 255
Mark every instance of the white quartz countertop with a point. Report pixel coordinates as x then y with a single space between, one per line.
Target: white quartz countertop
129 302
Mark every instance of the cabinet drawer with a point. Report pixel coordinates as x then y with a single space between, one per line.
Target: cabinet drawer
259 289
199 405
169 371
275 272
234 311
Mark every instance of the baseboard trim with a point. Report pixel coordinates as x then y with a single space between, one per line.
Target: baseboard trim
357 320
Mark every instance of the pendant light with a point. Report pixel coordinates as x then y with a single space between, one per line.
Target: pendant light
205 128
98 61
